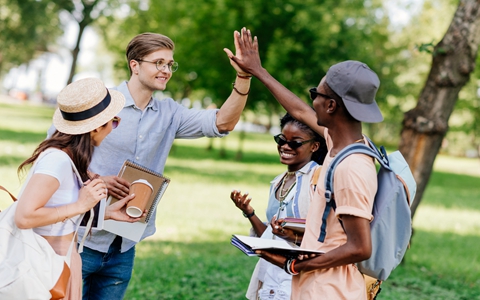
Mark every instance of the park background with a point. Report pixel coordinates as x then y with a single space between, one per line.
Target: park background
190 257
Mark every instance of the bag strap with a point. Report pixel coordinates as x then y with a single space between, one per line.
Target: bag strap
11 195
89 223
372 150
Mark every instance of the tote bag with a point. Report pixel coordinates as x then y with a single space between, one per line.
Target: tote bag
29 267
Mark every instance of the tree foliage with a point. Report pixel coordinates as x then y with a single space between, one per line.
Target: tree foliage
299 40
27 29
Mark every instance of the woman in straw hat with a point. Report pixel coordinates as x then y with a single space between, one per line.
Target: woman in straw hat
53 200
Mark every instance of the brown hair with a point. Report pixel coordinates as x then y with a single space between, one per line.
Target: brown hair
79 147
146 43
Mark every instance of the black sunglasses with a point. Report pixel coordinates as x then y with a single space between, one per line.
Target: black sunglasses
292 144
314 94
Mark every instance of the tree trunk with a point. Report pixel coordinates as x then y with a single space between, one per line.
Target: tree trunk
425 126
75 53
88 7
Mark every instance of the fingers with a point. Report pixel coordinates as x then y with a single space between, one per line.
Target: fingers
117 187
229 53
241 201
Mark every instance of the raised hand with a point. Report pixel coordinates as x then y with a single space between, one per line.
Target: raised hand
242 201
249 60
238 39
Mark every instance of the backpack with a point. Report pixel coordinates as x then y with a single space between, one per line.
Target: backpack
391 227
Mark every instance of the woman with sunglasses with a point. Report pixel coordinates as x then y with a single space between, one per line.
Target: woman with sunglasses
53 199
303 151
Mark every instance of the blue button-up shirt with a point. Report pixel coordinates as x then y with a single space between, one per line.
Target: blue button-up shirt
146 138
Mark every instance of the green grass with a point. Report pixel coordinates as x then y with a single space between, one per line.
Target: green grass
190 256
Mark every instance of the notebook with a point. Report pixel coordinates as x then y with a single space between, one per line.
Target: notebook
248 245
132 171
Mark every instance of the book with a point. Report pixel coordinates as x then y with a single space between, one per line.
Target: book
248 245
295 224
132 171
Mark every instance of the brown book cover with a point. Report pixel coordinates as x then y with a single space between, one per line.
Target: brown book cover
131 171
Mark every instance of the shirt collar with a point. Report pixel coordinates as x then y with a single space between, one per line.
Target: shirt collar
123 88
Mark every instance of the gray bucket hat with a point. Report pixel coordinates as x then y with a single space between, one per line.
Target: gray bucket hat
357 85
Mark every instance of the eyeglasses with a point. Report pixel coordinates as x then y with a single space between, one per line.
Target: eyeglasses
314 94
160 65
292 144
115 121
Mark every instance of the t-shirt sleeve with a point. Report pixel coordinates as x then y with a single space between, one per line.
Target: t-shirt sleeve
56 164
355 186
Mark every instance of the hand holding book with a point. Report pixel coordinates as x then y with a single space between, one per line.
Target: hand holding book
287 229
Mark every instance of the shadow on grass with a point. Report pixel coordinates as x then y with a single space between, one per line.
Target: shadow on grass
200 270
437 266
22 137
11 161
198 153
225 177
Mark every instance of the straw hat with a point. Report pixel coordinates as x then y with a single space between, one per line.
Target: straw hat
85 105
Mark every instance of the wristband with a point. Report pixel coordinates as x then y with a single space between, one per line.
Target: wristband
244 76
242 94
249 215
292 269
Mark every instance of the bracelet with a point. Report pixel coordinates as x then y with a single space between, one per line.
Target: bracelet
58 214
66 216
243 94
244 76
292 267
249 215
288 267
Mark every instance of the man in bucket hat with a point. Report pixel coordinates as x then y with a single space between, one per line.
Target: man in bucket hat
344 98
146 135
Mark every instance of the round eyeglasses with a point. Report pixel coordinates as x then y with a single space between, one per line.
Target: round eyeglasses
292 144
160 64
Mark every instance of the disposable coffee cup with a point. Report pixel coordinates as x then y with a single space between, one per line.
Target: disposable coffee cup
142 190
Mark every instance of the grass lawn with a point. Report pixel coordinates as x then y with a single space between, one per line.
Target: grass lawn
190 256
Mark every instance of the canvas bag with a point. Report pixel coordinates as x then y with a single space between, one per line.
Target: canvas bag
391 227
29 267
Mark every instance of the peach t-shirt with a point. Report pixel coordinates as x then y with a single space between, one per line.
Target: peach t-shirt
355 186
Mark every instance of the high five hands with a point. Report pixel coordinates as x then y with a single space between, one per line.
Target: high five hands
246 57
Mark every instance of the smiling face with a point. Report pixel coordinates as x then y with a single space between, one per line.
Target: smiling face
148 75
296 158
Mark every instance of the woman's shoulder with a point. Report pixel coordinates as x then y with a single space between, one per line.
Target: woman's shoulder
54 156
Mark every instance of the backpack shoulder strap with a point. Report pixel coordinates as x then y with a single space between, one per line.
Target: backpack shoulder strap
329 194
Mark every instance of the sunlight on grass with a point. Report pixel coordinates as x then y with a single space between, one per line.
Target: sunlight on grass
190 256
457 165
438 219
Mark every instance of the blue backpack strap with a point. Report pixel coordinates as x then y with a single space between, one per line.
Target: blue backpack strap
329 195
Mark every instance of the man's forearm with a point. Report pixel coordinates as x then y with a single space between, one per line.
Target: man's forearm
231 110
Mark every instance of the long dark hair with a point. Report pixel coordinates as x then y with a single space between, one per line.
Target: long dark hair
79 147
317 156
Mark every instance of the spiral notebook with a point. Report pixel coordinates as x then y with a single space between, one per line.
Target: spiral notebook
132 171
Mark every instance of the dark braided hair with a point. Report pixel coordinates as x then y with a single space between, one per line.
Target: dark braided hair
317 156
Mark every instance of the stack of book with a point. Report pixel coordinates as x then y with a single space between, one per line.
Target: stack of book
295 224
